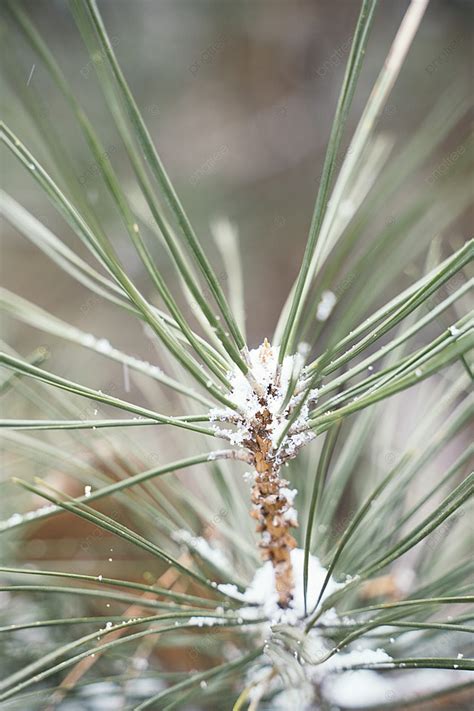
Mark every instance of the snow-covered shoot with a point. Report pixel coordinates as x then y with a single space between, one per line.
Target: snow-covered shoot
272 388
271 421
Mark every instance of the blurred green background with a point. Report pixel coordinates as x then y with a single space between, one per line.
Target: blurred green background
239 97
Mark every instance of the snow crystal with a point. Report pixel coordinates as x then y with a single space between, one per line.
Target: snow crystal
454 330
326 305
87 490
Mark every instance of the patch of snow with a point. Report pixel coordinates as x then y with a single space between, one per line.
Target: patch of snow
289 494
17 518
206 621
300 698
326 305
291 514
263 594
14 519
364 688
232 591
103 346
343 660
248 476
358 689
214 556
404 580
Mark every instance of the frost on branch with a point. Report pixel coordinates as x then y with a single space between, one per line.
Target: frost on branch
265 401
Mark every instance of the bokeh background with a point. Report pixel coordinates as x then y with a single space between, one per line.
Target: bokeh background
239 97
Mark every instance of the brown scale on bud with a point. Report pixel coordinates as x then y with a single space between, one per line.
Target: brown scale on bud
270 507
